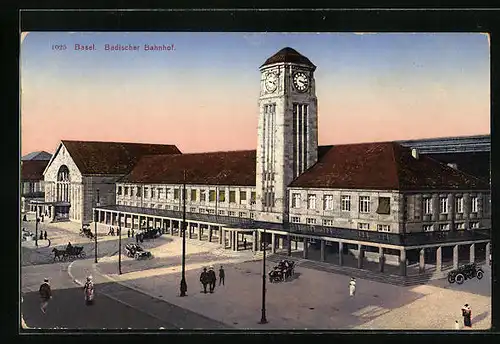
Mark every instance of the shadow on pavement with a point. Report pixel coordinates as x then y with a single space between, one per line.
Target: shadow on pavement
480 317
136 310
239 299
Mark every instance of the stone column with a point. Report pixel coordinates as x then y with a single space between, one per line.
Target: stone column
306 247
381 259
289 246
200 235
341 253
281 242
488 252
273 243
219 234
402 262
361 256
439 259
223 237
421 264
323 258
472 253
209 233
254 241
296 244
236 240
190 228
455 257
230 239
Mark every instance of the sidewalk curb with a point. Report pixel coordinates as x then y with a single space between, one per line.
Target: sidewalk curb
96 270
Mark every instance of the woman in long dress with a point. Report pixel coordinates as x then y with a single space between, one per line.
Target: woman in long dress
467 314
88 289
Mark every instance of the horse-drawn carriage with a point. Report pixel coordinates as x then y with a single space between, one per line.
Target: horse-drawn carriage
69 253
282 271
468 271
137 252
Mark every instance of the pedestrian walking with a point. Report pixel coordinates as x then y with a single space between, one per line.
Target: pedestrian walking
141 238
222 275
45 295
109 230
128 233
244 243
45 235
212 279
137 238
25 219
204 279
88 290
132 232
467 315
457 325
352 287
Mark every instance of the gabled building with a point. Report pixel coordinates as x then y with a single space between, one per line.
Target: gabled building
82 175
31 179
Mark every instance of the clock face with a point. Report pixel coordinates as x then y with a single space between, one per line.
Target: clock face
300 81
271 82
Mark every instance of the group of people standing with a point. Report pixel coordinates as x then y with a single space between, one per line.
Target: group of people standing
208 278
112 231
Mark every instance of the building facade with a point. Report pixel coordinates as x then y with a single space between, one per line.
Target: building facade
82 175
32 187
379 201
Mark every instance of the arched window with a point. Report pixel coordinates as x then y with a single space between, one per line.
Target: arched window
63 174
63 191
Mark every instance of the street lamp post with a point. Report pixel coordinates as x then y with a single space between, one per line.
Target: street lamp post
36 229
263 319
183 285
95 228
119 244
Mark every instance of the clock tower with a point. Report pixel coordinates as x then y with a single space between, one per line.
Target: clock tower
287 130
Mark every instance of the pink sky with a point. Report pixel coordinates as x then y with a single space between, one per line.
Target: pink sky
216 108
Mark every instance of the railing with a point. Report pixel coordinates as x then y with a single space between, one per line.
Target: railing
408 239
38 194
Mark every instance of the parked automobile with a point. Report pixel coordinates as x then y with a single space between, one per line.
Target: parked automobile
151 233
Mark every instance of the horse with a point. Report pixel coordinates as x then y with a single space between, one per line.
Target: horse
59 253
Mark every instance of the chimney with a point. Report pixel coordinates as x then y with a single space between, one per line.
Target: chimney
414 153
452 165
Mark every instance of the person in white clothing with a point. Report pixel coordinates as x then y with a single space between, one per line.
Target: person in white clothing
352 286
457 325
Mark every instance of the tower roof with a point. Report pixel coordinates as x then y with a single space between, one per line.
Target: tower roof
289 55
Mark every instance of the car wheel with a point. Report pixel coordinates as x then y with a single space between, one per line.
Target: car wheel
479 274
460 279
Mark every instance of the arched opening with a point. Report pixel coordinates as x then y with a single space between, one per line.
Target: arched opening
63 194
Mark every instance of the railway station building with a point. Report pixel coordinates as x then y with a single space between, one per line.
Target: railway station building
382 202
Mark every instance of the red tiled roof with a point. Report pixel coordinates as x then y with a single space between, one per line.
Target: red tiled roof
382 165
33 169
289 55
112 157
218 168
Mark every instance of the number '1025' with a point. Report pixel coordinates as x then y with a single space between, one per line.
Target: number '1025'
59 47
